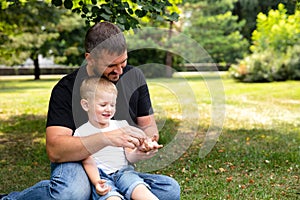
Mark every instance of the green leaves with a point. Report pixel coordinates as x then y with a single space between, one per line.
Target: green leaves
56 2
68 4
124 14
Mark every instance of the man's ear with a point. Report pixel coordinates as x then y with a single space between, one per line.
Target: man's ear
84 104
89 58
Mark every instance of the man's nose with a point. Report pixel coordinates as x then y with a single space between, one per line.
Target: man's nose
119 69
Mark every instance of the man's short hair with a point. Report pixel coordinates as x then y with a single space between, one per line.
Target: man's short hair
105 36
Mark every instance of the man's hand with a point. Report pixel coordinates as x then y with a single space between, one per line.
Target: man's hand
127 136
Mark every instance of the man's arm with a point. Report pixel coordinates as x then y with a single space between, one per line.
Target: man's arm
63 147
148 125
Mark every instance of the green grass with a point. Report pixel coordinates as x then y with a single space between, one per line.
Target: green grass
257 156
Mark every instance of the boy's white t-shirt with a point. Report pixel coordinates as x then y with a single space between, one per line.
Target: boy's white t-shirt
109 159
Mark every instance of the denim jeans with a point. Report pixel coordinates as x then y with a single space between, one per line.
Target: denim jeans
122 183
69 181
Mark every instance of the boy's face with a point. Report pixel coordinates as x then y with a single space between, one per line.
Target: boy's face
109 66
102 108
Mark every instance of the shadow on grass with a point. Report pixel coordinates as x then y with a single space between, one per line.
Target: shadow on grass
22 151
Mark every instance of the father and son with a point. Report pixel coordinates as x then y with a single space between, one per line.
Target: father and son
93 156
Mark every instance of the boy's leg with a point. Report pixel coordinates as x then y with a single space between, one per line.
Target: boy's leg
68 181
131 185
141 192
163 187
113 194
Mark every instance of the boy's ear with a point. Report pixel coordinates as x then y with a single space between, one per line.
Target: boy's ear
84 104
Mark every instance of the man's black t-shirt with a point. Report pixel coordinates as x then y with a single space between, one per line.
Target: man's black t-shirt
133 99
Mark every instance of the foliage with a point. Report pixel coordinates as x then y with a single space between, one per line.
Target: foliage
23 34
147 50
265 66
68 49
275 49
276 31
293 62
214 27
123 13
248 10
256 157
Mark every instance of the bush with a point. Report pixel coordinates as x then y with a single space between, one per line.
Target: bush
276 49
293 62
265 66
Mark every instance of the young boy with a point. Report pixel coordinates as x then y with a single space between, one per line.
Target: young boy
118 178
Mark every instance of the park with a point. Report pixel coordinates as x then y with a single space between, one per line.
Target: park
232 133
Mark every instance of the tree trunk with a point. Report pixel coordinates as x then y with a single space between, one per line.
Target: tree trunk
37 71
169 55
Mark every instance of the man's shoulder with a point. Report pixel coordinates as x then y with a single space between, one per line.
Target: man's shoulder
131 73
132 69
69 78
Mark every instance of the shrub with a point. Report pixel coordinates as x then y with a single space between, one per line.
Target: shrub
265 66
293 62
276 49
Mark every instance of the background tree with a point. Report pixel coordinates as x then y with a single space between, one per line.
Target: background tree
248 10
39 22
129 15
68 48
157 56
123 13
26 27
212 24
275 49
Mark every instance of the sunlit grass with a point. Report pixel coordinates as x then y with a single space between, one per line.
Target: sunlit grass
257 155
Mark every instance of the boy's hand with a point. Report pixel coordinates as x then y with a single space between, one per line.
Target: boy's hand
102 188
145 151
149 144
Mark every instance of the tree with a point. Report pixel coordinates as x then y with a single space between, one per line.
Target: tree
26 27
36 35
275 49
212 24
68 48
123 13
248 10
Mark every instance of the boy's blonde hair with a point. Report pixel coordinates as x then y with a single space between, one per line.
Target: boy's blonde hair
95 85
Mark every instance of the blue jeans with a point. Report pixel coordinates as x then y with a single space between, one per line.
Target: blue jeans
122 183
69 181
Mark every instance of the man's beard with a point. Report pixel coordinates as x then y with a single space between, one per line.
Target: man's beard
97 72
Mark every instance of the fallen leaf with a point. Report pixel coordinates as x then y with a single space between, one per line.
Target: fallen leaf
242 186
222 169
229 179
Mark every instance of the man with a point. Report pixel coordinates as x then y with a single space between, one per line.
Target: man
106 55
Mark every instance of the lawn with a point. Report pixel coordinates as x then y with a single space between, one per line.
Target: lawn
256 156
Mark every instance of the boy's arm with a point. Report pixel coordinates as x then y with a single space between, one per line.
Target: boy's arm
91 169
